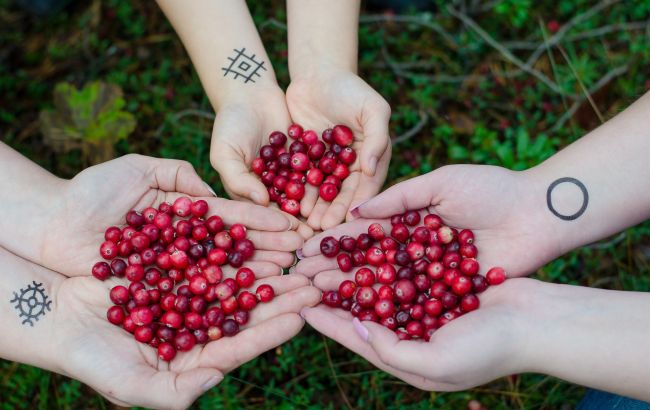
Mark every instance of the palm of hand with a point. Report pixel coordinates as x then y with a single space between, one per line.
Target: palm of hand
240 130
127 372
343 98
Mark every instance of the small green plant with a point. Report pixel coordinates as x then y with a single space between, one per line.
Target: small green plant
90 119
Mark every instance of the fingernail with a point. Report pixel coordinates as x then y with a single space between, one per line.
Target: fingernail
299 254
212 381
209 188
291 227
372 165
303 312
355 211
256 197
361 330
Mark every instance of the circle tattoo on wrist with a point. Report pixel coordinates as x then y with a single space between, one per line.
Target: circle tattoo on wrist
585 198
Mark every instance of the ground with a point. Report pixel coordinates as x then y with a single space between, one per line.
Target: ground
503 82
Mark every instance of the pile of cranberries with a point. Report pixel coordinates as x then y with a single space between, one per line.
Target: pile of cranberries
177 296
425 274
308 160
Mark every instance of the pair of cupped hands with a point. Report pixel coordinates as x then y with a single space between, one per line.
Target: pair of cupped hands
481 198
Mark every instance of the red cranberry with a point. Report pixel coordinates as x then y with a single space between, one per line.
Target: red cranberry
141 316
184 341
298 147
466 237
358 257
479 283
469 302
347 243
450 276
108 250
265 293
315 177
331 298
344 261
347 288
415 329
436 270
384 308
113 234
364 277
101 270
433 307
214 316
417 312
115 315
230 327
328 192
411 218
278 139
415 250
364 241
246 300
214 224
445 235
404 291
241 317
389 322
433 222
347 156
437 290
329 246
166 351
421 282
342 135
468 251
469 266
451 260
294 131
366 297
375 256
386 274
449 300
118 266
400 232
405 272
291 206
496 276
135 219
462 285
388 243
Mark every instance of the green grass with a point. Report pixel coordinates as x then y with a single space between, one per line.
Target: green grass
489 115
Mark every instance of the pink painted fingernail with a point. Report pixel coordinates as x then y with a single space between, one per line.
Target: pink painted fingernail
299 254
362 331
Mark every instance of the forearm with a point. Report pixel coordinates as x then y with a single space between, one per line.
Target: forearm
219 36
28 331
322 34
593 337
28 197
611 163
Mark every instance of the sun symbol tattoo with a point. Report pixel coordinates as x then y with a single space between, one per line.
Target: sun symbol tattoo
31 303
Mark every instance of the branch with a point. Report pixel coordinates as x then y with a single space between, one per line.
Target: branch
424 118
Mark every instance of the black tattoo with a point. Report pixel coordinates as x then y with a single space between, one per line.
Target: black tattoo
585 198
242 65
32 303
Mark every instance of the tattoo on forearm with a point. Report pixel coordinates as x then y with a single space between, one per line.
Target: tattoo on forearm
244 66
585 198
31 303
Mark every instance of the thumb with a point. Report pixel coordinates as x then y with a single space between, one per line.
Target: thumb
179 390
238 180
376 137
415 193
405 355
172 175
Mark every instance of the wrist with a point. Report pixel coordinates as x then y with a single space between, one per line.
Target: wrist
324 70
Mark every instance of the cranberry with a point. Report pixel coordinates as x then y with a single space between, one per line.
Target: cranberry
342 135
462 285
432 222
347 288
278 139
479 283
405 272
115 315
496 276
134 219
435 270
451 260
415 329
400 232
329 246
184 341
366 297
384 308
411 218
358 257
141 316
445 235
364 241
327 136
214 224
364 277
118 266
291 206
327 165
108 250
331 298
344 261
265 293
404 291
433 307
246 300
449 300
315 177
166 351
469 302
113 234
101 270
215 333
386 274
294 131
347 156
328 192
230 327
258 166
375 256
415 250
223 240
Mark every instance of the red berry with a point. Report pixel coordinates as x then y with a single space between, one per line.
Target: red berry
309 137
277 139
182 206
469 266
135 219
411 218
246 300
328 192
347 156
375 256
342 135
113 234
366 297
101 270
384 308
141 316
469 302
432 222
295 190
108 250
341 171
327 136
238 232
230 327
166 351
329 246
496 276
364 277
479 283
294 131
415 250
115 315
265 293
327 165
331 298
315 177
433 307
344 261
245 277
347 289
445 235
404 291
466 237
461 286
316 150
386 274
376 232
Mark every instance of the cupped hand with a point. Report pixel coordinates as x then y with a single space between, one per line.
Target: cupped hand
332 97
101 196
129 373
499 205
471 350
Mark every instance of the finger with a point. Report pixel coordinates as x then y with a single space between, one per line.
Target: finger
284 283
283 259
376 137
290 302
287 241
314 265
369 186
415 193
235 173
252 216
405 355
169 389
333 324
309 200
314 219
331 279
305 231
171 175
228 353
337 210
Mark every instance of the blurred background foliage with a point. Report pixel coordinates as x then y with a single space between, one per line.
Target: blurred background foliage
503 82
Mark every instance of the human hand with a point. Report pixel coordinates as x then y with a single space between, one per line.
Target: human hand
471 350
100 196
334 96
129 373
495 203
